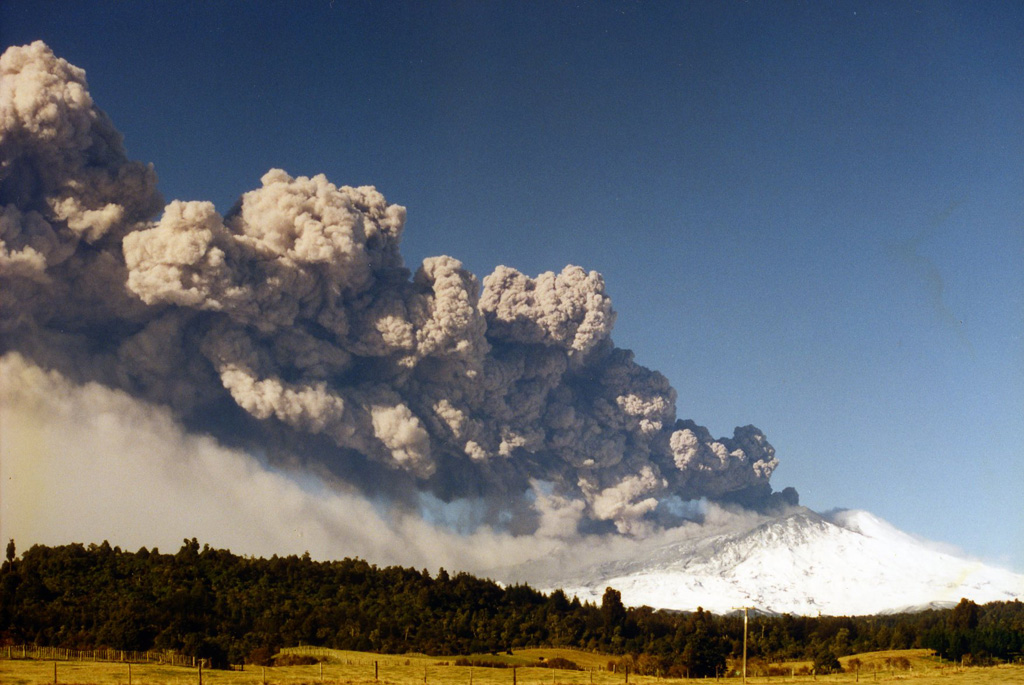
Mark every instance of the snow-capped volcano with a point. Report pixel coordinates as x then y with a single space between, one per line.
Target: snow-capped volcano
843 563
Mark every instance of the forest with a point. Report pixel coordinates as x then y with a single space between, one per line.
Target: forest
233 609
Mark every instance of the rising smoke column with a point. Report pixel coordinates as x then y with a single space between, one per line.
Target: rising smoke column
291 325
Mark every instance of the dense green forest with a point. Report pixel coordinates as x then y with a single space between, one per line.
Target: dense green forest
231 609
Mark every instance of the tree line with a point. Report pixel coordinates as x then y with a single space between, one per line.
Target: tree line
216 605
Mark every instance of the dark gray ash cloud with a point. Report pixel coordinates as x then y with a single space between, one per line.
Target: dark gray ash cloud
291 326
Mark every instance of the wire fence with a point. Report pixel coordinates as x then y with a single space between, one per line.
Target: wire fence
110 655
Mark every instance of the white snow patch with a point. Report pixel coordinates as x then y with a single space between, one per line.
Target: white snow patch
850 563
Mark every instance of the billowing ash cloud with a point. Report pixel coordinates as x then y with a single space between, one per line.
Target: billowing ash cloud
291 326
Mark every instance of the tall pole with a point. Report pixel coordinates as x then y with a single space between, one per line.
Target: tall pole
744 645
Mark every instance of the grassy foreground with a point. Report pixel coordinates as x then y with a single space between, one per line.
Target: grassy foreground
417 669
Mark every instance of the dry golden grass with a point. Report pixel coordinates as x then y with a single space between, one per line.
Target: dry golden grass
580 658
919 660
876 667
995 675
357 668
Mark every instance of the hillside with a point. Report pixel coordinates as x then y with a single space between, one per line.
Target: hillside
229 609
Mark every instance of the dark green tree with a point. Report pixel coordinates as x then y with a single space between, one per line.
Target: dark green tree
613 613
964 616
704 654
825 661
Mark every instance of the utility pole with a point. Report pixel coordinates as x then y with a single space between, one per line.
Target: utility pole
744 643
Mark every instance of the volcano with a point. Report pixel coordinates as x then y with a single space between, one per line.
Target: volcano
845 562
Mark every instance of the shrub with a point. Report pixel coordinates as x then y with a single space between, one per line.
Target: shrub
564 664
261 656
897 663
483 663
825 661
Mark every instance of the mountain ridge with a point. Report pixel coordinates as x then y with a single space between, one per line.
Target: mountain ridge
843 562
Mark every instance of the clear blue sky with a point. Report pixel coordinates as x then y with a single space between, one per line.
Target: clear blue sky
810 216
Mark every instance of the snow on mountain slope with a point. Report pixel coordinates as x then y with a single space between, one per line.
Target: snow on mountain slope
843 563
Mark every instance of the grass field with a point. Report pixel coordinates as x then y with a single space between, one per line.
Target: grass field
919 660
418 669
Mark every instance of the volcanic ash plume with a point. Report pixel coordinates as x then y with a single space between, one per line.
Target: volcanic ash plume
291 326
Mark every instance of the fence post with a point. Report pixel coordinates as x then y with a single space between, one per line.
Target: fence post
375 671
513 675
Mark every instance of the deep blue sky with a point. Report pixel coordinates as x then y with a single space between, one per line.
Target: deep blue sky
810 216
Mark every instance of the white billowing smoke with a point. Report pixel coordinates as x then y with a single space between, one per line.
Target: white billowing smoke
290 327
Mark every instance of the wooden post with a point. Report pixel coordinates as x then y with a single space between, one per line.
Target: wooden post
54 673
424 675
627 675
470 675
376 672
321 671
200 672
513 675
264 675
